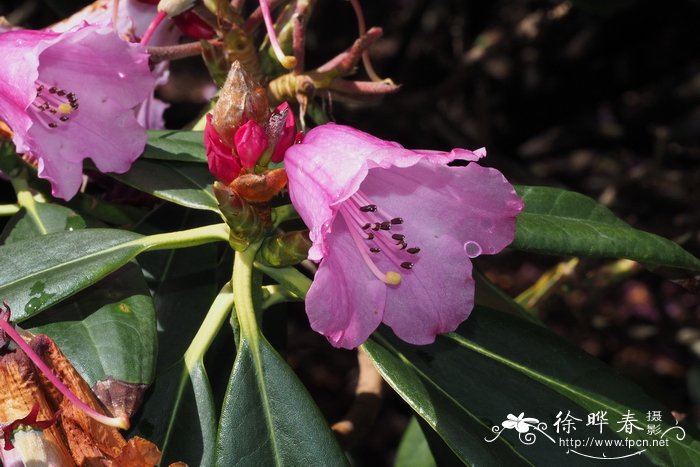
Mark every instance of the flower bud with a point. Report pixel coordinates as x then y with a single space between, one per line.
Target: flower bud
241 99
247 224
250 141
286 248
282 125
223 164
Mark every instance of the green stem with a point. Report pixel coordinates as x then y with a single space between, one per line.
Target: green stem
185 238
275 294
243 297
290 278
9 209
216 316
26 201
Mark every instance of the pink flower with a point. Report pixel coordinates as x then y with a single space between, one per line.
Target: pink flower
71 96
394 230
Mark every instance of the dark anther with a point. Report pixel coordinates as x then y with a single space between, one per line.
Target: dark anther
53 89
369 208
376 226
370 236
407 265
71 97
63 118
74 105
40 88
61 93
385 226
403 245
53 125
398 237
413 250
374 249
397 220
53 111
366 226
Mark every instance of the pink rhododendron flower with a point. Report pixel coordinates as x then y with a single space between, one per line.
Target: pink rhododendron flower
71 96
131 21
394 230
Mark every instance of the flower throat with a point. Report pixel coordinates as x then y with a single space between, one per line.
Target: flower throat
53 105
373 232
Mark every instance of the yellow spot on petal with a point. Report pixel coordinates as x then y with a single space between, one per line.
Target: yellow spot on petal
65 108
393 278
124 308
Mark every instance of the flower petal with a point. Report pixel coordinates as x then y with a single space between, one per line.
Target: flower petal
345 300
222 163
250 141
443 208
331 163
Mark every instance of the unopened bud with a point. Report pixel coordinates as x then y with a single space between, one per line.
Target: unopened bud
247 223
260 188
241 99
286 248
175 7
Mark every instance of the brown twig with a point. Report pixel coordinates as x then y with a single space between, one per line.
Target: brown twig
345 62
368 398
301 11
176 52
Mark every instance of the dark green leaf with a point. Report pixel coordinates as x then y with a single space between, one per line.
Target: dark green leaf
180 417
182 146
496 365
107 330
182 183
414 450
268 417
51 218
40 272
565 223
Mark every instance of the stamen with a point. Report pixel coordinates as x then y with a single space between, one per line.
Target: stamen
370 236
398 237
56 102
374 249
397 220
391 277
369 208
413 250
407 265
385 226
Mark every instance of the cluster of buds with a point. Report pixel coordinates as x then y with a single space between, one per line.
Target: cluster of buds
243 139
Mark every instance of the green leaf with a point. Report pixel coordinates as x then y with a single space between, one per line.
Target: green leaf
268 417
180 416
51 218
414 450
183 183
466 384
40 272
560 222
181 146
107 330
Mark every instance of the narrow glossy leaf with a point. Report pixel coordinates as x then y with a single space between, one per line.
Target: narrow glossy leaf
108 329
40 272
496 365
414 450
186 184
561 222
268 417
170 145
50 218
180 416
